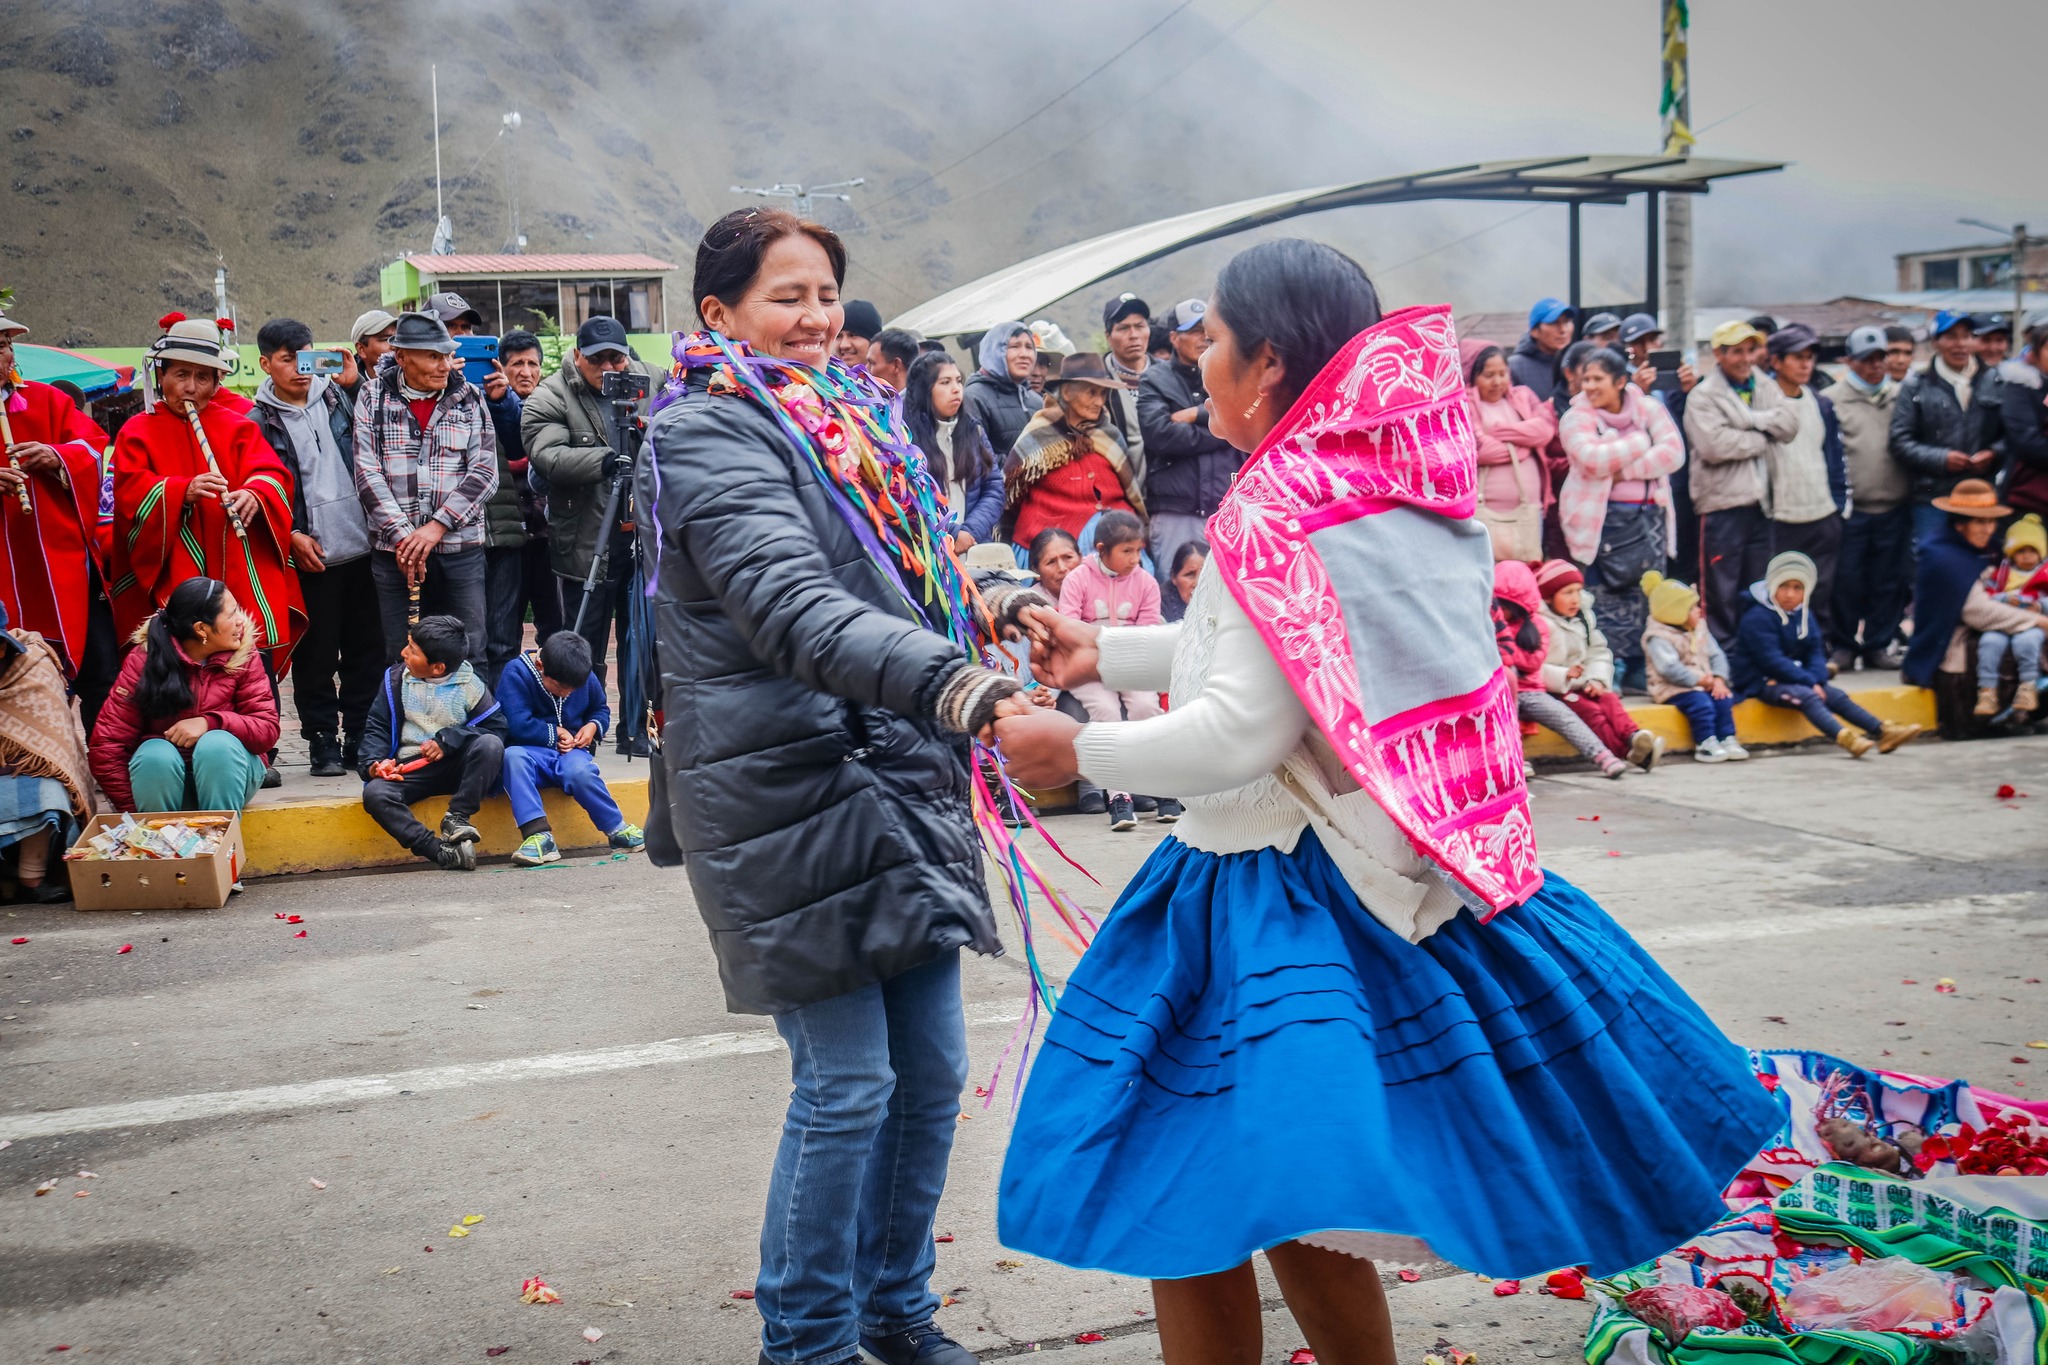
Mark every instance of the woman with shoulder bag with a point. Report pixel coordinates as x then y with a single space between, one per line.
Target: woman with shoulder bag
1513 427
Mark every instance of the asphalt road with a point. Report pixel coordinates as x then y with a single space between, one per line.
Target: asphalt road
548 1050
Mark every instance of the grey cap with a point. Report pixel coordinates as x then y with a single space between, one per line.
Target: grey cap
1187 315
371 323
453 308
422 332
1865 342
1636 326
1600 324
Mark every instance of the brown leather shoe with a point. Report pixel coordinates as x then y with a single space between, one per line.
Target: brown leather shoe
1855 741
1896 733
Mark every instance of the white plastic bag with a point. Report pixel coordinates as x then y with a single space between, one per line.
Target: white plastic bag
1888 1295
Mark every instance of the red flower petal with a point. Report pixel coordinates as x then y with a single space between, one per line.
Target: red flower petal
1410 1276
1507 1289
1613 853
1304 1356
1566 1284
300 934
124 948
943 1237
21 940
496 1350
1089 1338
278 915
743 1293
293 919
2006 791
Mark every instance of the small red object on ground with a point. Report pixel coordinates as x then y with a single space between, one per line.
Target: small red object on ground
943 1237
1506 1289
300 934
1302 1357
23 940
1089 1338
743 1293
293 919
124 948
1566 1284
1410 1276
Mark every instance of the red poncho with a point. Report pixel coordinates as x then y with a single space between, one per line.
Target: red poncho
46 574
160 540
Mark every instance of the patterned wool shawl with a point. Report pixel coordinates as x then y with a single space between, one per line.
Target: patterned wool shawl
1047 444
1348 539
40 735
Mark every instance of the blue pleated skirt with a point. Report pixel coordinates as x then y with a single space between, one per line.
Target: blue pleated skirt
1246 1056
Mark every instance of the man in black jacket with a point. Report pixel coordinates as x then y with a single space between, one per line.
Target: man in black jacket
1944 428
999 392
1187 467
1537 364
310 423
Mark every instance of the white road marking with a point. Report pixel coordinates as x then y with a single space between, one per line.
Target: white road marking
671 1051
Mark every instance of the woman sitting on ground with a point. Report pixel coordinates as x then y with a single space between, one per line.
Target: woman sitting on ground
191 712
45 791
1177 584
958 450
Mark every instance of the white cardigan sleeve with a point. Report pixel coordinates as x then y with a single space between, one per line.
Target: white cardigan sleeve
1137 658
1242 725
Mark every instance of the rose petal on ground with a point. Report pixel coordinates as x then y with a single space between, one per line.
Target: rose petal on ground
457 1231
2006 791
943 1237
45 1188
1304 1356
319 1184
124 948
743 1293
496 1350
1410 1276
23 940
1089 1338
1908 981
470 1220
1507 1289
88 1175
294 919
80 1194
300 934
593 1334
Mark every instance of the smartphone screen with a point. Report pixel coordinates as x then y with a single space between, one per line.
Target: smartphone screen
322 362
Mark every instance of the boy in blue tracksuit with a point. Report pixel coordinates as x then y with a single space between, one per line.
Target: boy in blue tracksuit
555 714
1780 657
433 729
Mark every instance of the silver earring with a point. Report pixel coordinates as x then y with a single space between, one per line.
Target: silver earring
1255 405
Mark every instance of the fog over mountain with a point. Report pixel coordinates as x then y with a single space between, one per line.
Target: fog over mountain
149 141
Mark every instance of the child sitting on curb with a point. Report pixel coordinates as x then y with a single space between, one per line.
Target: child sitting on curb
1523 636
2018 580
555 716
433 707
1580 667
1781 659
1687 669
1110 588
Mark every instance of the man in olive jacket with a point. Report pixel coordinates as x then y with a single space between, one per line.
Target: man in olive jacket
566 430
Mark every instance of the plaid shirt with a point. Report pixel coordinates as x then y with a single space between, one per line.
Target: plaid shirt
407 476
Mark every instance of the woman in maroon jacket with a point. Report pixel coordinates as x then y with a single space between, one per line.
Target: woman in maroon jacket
188 709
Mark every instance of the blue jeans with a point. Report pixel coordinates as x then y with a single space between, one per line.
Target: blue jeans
846 1247
1820 711
224 774
1709 716
2025 648
528 768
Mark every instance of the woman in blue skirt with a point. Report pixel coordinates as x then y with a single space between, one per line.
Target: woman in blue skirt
1342 1013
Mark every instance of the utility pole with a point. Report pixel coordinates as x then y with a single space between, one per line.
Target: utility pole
2019 276
444 231
1676 108
515 242
800 196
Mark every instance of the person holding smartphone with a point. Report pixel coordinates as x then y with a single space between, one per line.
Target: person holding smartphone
310 423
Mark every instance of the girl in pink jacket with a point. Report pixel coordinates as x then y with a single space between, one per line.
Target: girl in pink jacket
1110 588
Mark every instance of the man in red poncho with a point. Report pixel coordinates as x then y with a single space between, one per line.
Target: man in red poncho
174 517
49 500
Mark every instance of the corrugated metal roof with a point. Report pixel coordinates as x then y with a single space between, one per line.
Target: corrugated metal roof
564 264
1024 289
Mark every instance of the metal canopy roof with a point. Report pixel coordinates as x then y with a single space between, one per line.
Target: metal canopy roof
1022 289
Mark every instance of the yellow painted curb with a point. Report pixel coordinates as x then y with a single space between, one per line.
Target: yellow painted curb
1755 723
321 834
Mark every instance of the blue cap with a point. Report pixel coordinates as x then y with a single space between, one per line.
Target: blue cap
1948 318
1550 310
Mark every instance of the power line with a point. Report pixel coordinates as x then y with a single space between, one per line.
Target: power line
1221 38
917 184
1460 241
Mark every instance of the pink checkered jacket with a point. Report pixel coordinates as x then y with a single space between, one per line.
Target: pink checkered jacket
1639 442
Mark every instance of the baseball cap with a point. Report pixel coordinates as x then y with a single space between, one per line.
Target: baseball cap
1636 326
1990 322
371 323
1865 342
1187 315
1550 310
602 334
1734 334
1948 319
1121 307
863 320
1600 324
453 308
1792 338
423 332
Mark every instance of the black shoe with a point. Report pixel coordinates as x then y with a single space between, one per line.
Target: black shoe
457 829
1144 805
352 754
326 756
455 855
1093 802
272 778
49 893
1121 816
921 1345
1169 810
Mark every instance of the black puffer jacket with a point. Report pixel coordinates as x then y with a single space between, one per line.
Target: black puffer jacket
1929 420
822 814
1002 406
1188 468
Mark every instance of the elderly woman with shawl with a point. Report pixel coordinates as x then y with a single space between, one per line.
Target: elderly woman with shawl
45 782
1342 1012
1069 465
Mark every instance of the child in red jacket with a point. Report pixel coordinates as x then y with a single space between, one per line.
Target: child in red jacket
1524 639
192 707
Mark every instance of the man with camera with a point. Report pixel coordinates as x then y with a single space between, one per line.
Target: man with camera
426 465
578 452
310 422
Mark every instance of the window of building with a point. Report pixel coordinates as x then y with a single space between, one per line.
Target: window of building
640 305
593 299
1946 274
527 300
1991 272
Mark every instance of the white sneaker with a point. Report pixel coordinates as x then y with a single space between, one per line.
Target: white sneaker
1735 752
1711 750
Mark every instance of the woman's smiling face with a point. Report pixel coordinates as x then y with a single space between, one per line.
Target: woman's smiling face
791 310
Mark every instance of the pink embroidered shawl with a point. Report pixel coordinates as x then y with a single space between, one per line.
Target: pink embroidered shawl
1348 540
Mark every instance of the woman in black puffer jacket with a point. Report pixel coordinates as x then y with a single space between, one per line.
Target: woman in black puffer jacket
821 807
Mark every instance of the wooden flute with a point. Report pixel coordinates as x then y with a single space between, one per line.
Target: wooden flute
206 449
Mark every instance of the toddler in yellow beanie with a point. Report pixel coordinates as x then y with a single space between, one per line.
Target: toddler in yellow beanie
1687 669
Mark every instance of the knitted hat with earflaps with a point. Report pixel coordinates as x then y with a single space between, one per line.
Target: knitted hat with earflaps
1790 566
1670 600
2027 534
1553 576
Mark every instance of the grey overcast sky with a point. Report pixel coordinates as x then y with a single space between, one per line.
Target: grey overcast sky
1897 117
